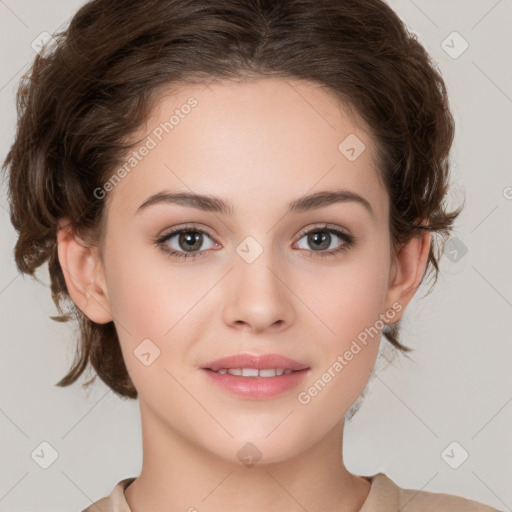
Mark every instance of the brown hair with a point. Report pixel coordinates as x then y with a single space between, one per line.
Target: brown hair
96 85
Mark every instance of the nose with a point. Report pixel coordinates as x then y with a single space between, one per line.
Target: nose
257 296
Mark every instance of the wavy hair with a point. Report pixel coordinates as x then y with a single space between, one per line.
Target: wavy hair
96 84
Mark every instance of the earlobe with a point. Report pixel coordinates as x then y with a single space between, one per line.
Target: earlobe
408 269
83 272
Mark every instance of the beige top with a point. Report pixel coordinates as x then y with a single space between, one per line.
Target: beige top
384 496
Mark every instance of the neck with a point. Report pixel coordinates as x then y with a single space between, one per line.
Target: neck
177 475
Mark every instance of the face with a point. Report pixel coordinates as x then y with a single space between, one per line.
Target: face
261 278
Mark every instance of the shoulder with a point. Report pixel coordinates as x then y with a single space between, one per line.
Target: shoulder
419 501
115 501
386 495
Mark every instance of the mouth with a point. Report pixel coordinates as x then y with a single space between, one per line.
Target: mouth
254 372
256 376
254 365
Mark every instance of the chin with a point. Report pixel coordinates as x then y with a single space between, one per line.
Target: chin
258 450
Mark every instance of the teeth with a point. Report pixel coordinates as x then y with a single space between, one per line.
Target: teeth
270 372
253 372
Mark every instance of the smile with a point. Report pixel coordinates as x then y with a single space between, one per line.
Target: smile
251 383
254 372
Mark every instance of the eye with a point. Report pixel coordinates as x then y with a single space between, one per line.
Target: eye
186 242
324 237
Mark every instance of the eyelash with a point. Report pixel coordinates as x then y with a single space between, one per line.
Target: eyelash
349 241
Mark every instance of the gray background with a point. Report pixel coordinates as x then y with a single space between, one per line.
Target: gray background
456 388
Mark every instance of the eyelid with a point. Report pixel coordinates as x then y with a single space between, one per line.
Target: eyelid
326 226
187 227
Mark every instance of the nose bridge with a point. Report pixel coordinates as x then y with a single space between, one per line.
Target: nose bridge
256 265
258 295
261 272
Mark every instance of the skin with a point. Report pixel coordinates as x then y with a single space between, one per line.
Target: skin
260 145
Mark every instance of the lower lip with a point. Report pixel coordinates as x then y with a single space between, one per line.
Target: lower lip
259 388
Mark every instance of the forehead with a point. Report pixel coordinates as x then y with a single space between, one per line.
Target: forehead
270 140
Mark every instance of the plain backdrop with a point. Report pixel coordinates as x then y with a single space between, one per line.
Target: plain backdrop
421 417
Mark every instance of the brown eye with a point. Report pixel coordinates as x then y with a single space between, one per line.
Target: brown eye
190 240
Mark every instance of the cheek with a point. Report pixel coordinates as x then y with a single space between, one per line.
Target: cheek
145 296
150 302
348 302
345 299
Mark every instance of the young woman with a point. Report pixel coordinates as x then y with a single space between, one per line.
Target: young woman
236 198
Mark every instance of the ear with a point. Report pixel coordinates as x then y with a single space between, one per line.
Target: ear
84 274
407 271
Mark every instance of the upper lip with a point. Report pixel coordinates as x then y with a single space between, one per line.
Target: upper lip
259 362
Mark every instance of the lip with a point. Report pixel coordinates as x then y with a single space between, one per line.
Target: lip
260 362
258 388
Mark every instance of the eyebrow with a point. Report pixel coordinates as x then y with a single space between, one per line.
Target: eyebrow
210 203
